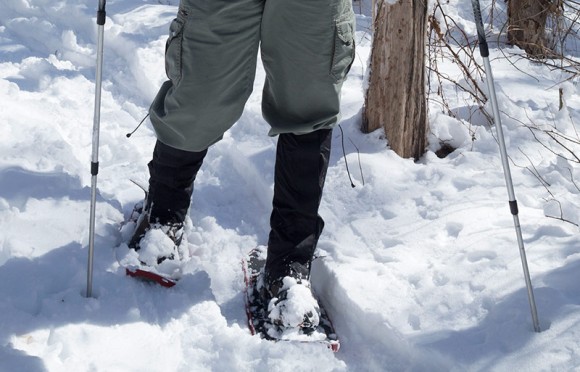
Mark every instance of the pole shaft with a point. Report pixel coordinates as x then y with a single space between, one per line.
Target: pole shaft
101 16
484 50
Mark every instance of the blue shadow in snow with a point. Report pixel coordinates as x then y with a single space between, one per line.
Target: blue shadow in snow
48 292
18 185
508 326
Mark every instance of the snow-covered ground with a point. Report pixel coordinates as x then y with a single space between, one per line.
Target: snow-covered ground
420 268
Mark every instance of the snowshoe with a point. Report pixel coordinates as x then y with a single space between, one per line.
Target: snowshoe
286 311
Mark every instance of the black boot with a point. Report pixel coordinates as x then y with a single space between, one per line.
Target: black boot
172 174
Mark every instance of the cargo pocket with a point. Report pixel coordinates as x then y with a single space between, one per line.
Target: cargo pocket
173 50
343 55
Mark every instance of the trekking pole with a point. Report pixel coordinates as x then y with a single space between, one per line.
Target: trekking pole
484 51
101 16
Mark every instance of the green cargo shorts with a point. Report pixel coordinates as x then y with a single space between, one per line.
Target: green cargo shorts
307 48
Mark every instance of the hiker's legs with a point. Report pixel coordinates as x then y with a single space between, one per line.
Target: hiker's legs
307 50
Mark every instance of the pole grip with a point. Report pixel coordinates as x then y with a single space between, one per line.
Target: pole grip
101 14
483 48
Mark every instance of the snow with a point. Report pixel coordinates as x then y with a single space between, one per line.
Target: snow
297 302
419 266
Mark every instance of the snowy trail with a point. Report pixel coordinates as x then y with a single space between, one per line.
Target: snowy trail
419 265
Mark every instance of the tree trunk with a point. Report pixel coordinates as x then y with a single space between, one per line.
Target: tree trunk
396 98
527 25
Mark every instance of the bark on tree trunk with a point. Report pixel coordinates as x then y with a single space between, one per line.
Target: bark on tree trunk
396 98
527 25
